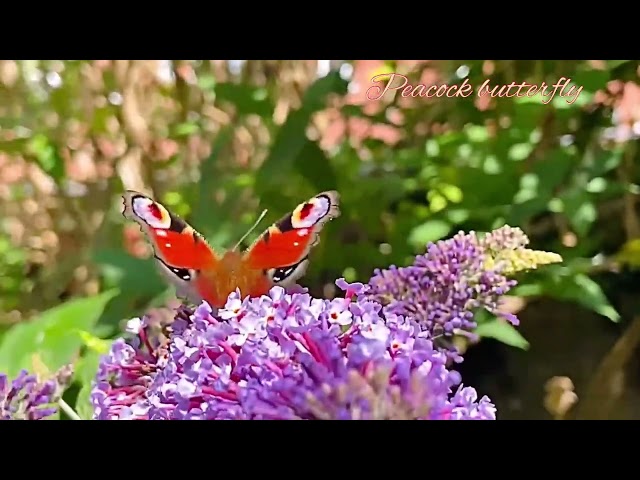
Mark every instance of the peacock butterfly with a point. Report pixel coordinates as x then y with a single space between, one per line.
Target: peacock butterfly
278 257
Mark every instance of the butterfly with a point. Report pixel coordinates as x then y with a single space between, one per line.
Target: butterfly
279 256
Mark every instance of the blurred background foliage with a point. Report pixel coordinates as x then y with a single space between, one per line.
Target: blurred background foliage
219 141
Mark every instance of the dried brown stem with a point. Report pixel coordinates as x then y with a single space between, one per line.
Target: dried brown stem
603 390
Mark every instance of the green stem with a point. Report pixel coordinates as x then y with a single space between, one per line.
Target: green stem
68 410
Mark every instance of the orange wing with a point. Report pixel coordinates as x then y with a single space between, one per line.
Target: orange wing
180 251
282 250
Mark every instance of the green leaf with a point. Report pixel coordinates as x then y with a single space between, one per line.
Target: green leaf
583 290
83 405
15 146
502 331
87 367
94 343
315 167
206 213
595 297
528 112
47 156
612 64
521 212
129 273
477 133
315 97
429 231
206 82
246 99
137 279
605 161
291 138
186 129
53 335
579 101
552 170
520 151
580 210
527 290
591 80
629 254
85 372
482 189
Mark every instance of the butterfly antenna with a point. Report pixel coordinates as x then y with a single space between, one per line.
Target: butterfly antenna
264 212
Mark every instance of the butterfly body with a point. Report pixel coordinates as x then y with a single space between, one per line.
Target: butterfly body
217 282
278 257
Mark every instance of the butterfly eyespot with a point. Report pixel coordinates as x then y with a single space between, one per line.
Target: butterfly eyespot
152 213
309 214
181 274
284 276
280 274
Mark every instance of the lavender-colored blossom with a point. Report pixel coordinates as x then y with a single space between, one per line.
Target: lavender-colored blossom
27 398
120 386
121 383
443 288
281 357
285 356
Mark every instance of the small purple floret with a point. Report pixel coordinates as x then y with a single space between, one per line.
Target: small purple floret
27 398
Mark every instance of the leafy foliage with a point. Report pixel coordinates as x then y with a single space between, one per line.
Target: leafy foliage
56 335
219 142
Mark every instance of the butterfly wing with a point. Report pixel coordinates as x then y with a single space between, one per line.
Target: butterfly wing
282 250
180 252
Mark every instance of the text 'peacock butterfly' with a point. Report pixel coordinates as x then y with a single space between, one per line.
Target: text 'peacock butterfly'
278 257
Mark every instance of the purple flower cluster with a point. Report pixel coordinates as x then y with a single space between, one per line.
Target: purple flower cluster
126 373
26 398
288 356
374 354
443 288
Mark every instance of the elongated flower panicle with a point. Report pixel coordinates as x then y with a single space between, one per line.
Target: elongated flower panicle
27 398
444 288
505 249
